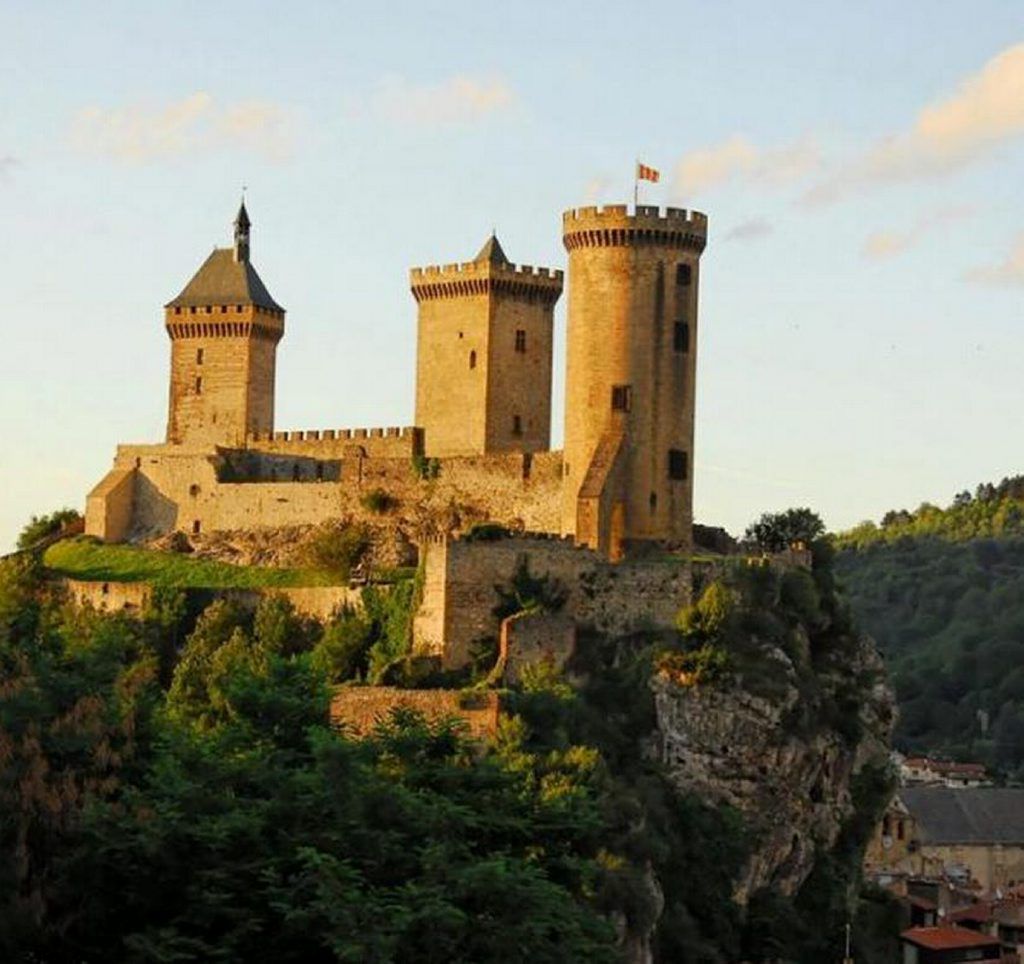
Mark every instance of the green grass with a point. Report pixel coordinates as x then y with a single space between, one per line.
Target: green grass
94 561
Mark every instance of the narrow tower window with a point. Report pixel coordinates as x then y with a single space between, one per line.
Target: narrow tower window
677 464
199 385
520 340
622 398
517 425
681 336
195 527
472 359
199 356
683 275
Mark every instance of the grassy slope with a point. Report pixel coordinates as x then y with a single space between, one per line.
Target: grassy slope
89 560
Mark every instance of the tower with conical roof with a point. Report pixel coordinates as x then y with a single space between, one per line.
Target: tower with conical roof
484 354
224 329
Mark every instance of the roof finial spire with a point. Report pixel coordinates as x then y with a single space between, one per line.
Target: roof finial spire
242 225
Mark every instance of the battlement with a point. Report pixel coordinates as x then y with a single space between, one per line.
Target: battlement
615 225
470 278
389 442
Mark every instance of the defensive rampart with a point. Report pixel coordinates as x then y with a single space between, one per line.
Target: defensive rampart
358 709
461 577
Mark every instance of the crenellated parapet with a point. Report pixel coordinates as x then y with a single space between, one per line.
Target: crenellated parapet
391 442
470 278
614 225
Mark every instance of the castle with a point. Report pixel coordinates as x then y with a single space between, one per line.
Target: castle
481 438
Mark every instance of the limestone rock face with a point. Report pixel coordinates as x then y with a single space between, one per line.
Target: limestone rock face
790 781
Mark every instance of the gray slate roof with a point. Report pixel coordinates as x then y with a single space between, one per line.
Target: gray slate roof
491 253
980 815
221 280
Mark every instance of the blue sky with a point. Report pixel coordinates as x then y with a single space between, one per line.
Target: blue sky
860 164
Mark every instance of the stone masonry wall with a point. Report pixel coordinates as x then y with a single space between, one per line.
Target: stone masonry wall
360 708
178 487
460 594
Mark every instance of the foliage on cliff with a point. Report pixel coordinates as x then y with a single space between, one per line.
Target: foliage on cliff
942 592
169 789
221 819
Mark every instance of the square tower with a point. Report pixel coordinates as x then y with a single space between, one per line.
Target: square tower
224 329
484 355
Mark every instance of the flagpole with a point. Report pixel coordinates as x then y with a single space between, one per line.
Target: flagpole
636 183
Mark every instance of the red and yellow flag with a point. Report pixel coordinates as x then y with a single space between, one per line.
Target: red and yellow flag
645 173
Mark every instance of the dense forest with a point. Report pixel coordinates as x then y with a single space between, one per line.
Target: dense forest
171 789
942 592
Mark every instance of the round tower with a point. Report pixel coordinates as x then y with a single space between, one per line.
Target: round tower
631 345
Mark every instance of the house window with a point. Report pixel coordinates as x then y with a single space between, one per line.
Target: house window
676 464
900 832
199 385
622 398
472 359
652 501
520 340
517 425
199 356
223 309
681 336
683 275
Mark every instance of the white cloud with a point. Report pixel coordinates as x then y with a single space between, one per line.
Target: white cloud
738 158
1009 271
889 243
139 133
457 100
986 111
752 230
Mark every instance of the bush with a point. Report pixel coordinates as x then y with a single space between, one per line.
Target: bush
379 501
343 649
41 526
426 468
526 593
337 548
487 532
709 664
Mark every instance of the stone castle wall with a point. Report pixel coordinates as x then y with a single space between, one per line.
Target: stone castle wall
317 602
358 709
154 489
459 594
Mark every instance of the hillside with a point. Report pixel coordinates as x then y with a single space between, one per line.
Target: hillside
704 796
942 592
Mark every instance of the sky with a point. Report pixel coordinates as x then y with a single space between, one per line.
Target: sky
861 166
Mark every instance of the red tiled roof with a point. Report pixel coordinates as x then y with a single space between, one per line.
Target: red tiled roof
943 938
980 912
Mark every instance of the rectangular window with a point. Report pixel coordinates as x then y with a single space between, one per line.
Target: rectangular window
517 425
199 356
684 275
622 398
199 386
681 336
677 464
520 340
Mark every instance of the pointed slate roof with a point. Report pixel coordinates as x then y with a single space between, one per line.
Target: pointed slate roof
242 218
221 280
491 253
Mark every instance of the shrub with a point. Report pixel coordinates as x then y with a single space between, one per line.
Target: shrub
776 531
379 501
526 593
343 649
426 468
709 664
487 532
337 548
41 526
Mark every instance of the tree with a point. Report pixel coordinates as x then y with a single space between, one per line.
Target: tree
776 531
41 526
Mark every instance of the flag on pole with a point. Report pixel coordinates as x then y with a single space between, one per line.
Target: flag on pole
645 173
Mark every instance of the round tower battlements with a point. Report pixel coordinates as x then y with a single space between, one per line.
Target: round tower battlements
615 226
480 277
